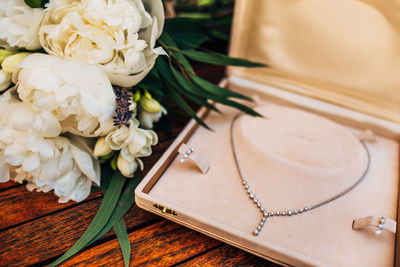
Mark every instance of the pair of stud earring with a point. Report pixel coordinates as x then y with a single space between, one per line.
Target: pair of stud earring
187 154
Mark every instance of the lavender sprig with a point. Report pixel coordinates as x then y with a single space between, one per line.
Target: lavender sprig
123 113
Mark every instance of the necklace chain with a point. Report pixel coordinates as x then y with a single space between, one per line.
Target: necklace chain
270 213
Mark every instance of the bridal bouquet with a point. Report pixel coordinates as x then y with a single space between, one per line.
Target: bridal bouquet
83 82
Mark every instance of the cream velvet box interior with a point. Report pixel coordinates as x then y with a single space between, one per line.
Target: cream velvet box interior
335 59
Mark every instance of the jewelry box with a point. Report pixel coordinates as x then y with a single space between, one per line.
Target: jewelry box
337 60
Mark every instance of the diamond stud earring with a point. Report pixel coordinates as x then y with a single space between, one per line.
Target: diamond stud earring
382 221
187 154
197 158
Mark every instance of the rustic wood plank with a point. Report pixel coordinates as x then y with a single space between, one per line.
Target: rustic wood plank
20 205
226 255
161 244
7 185
52 235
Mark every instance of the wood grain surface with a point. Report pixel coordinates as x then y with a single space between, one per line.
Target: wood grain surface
35 229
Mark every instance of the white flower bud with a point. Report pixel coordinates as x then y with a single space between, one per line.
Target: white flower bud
4 54
10 63
126 168
147 119
150 104
101 148
5 80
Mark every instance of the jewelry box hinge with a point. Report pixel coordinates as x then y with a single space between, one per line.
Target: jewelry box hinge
165 210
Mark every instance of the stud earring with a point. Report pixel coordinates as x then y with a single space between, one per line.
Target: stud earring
378 223
187 154
382 222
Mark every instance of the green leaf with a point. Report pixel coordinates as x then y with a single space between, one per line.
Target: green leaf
151 86
106 176
123 240
33 3
220 35
214 89
113 162
220 59
192 92
169 79
169 45
36 3
125 202
205 2
237 105
105 211
109 155
183 105
190 40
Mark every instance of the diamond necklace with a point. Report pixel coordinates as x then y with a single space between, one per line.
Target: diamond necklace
264 212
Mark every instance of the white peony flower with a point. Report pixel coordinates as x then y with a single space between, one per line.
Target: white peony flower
118 35
78 94
32 151
19 25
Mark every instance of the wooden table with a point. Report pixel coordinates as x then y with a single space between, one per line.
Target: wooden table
35 229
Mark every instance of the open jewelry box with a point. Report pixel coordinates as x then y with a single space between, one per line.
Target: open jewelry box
339 60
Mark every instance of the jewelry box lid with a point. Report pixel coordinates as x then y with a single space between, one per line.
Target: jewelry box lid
344 52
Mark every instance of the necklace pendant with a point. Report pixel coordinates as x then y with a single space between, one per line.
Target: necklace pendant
260 226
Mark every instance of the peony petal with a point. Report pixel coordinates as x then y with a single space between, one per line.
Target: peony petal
49 170
65 184
86 164
4 170
31 162
81 189
131 80
14 154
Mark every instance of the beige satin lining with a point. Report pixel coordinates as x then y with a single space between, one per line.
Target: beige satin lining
345 52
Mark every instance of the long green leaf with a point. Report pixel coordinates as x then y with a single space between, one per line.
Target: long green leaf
237 105
195 95
151 86
169 45
123 240
199 100
220 35
189 40
182 104
214 89
107 206
168 74
220 59
124 204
